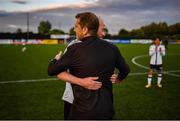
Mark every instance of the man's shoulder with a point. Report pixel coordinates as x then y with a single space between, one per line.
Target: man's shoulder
74 42
103 41
74 45
109 46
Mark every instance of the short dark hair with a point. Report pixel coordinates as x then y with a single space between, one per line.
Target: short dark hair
154 38
89 20
158 38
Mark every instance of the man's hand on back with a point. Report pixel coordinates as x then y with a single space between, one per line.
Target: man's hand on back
114 79
90 83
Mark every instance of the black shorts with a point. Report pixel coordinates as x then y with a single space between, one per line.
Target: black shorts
156 68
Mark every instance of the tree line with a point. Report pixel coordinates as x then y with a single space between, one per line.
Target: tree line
161 29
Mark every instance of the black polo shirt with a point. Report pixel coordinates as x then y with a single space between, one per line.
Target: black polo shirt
92 57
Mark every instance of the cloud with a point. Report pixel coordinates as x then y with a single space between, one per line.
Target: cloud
12 26
126 14
3 13
117 14
22 2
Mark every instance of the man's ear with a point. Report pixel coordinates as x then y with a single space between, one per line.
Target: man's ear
85 30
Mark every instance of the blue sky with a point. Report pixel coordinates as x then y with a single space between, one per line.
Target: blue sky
117 14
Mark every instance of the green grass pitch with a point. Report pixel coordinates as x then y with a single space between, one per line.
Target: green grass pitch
42 99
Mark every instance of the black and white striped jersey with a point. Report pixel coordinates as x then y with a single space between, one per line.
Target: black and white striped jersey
156 53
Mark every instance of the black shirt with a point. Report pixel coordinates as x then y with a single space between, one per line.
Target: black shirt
91 57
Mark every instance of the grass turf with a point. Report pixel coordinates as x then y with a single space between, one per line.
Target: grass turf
42 100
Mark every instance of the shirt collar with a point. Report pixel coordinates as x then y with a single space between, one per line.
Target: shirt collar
88 38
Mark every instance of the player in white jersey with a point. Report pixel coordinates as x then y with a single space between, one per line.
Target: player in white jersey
156 52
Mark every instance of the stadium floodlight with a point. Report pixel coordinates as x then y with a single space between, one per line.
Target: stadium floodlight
27 27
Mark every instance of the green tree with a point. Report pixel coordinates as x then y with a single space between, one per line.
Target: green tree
71 31
174 29
19 31
44 27
155 29
137 33
107 35
56 31
163 28
123 33
150 30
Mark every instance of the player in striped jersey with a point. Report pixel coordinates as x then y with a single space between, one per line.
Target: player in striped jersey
156 52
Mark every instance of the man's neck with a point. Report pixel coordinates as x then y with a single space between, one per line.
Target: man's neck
87 35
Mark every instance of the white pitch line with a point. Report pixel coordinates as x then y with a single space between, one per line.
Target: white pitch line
174 71
167 72
139 73
133 60
49 79
24 81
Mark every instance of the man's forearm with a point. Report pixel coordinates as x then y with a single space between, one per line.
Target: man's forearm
88 82
65 76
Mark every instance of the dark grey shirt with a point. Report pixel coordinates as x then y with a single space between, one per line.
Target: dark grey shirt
91 57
